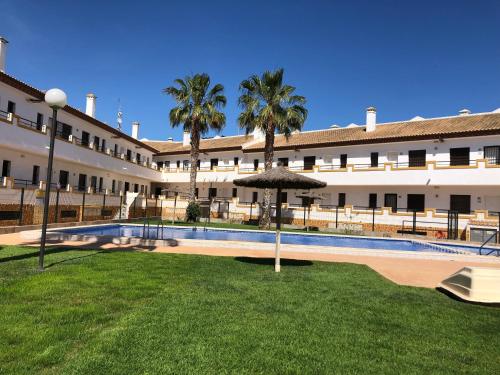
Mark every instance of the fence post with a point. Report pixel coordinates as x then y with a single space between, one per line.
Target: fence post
373 219
250 219
146 214
156 206
21 206
336 216
83 206
414 229
161 209
135 205
121 204
103 205
56 216
498 232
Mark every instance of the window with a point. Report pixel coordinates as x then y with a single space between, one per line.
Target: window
93 182
127 186
236 161
341 200
63 130
82 182
309 161
212 193
255 196
63 178
138 158
167 164
39 121
416 202
372 200
196 191
283 161
198 164
343 161
136 188
158 191
213 163
97 140
255 164
235 192
146 190
459 156
284 197
460 203
116 150
6 168
142 189
185 165
101 181
416 158
11 107
374 159
129 155
391 200
35 177
103 145
159 164
85 138
113 186
492 154
178 164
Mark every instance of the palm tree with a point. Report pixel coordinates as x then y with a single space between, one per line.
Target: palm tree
198 111
270 106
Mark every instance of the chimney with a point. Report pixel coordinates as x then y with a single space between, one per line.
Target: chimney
3 53
258 134
464 112
371 119
186 139
90 108
135 129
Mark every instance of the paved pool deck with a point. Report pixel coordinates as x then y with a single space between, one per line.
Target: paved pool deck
405 268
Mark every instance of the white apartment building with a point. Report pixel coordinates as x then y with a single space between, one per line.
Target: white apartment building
441 163
429 166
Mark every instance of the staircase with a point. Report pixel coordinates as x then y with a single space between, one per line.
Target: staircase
128 201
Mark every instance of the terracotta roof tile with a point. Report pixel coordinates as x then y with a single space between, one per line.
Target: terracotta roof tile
210 144
450 127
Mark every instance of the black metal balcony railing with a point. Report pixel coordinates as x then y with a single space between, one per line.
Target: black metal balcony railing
29 124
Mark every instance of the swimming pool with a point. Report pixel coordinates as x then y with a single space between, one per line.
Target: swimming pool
258 236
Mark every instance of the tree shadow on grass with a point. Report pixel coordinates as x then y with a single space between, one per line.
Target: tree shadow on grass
270 261
49 251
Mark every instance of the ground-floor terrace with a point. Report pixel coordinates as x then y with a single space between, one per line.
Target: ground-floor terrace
469 212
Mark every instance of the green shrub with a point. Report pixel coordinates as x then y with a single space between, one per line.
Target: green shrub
193 212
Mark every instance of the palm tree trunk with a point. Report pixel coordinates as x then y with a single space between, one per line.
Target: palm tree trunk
195 152
265 220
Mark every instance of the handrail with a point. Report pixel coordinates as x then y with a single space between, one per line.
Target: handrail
488 240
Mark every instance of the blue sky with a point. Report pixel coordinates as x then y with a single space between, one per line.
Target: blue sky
407 58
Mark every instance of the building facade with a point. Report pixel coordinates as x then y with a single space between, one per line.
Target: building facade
425 167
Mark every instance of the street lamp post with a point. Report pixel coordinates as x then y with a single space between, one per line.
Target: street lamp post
56 99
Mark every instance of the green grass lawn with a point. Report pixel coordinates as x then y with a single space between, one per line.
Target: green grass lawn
95 312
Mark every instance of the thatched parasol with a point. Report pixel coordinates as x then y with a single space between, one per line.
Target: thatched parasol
310 200
279 178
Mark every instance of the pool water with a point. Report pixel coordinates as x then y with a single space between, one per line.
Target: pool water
253 236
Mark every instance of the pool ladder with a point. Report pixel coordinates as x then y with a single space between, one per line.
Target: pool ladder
147 224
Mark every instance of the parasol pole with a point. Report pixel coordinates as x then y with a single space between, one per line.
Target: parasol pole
277 266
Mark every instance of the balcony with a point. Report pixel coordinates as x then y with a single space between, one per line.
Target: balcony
36 141
430 173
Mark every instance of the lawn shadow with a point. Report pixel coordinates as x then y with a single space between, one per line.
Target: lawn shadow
270 261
